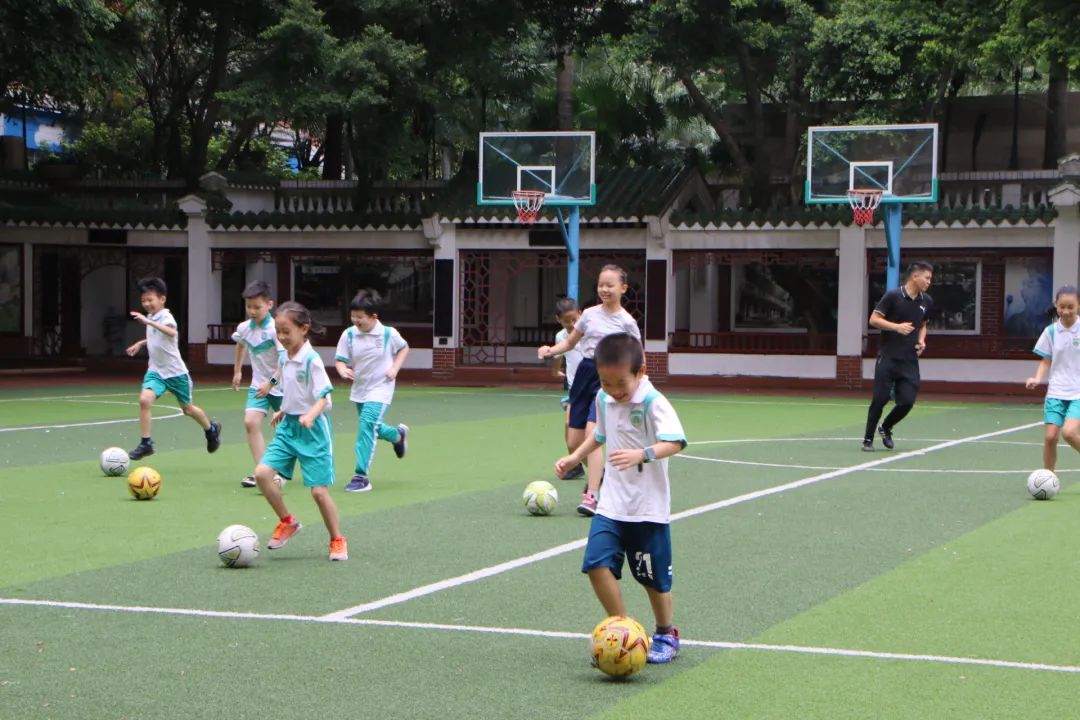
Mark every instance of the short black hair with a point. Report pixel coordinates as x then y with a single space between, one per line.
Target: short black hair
620 349
565 305
367 301
259 288
919 266
152 284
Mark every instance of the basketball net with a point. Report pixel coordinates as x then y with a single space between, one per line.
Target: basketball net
528 204
863 205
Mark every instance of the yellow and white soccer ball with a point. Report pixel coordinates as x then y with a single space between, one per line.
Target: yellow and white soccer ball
114 461
619 646
238 546
144 483
540 497
1043 484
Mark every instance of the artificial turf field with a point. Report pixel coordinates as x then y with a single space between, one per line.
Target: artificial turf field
811 580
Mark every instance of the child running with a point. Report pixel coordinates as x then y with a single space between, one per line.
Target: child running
594 324
641 430
167 370
1059 348
303 431
567 313
370 355
258 337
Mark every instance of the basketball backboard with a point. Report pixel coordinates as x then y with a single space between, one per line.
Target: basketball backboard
898 160
560 164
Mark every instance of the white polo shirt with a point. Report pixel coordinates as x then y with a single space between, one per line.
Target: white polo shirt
304 381
370 355
642 493
1061 346
573 357
596 323
163 349
266 352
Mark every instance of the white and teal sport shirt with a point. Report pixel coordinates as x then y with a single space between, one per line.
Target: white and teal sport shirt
1061 346
267 354
163 349
370 355
642 493
304 381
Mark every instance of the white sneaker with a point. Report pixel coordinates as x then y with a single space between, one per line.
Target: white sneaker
280 481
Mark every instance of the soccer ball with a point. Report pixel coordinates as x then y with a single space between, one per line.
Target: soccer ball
619 646
114 461
540 497
237 546
144 483
1043 484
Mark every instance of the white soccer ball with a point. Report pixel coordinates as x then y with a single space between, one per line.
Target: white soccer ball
540 497
238 546
114 462
1043 484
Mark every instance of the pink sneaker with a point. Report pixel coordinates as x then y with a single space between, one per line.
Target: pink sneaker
588 505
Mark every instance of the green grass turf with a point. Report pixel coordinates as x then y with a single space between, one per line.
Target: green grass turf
862 561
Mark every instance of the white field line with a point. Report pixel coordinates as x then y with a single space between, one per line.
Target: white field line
487 572
551 634
964 471
97 395
178 413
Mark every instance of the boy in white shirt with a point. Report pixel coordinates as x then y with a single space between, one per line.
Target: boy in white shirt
632 520
370 355
167 370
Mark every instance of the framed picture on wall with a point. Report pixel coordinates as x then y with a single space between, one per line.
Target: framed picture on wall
1028 294
11 288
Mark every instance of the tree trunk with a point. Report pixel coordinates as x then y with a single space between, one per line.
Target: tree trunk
1056 111
1014 150
564 92
209 105
715 120
793 128
955 84
333 157
760 189
241 135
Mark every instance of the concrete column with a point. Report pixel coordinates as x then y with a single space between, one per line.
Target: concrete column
199 273
443 239
1066 199
27 289
656 350
852 310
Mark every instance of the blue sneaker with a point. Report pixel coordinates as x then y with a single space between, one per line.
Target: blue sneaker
359 483
401 445
664 648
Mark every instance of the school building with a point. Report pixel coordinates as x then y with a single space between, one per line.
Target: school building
724 296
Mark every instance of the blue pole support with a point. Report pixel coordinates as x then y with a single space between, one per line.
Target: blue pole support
571 232
892 240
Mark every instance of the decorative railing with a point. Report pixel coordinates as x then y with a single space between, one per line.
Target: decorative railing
985 347
418 336
752 343
334 196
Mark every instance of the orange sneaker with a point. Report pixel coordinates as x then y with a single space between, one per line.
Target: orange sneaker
282 533
339 549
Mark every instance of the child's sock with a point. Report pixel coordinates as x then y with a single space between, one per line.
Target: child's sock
665 629
147 441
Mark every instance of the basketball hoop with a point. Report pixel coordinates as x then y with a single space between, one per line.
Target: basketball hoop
863 205
528 204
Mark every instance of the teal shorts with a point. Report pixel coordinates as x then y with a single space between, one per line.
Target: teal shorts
180 386
1056 412
265 404
314 449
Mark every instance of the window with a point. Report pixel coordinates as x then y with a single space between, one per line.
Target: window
1028 295
784 297
326 283
955 290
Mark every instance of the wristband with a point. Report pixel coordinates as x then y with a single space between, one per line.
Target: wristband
650 455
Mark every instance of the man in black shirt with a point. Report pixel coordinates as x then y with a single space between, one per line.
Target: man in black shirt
901 316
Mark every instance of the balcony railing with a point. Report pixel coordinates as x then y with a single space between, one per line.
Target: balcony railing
975 347
753 343
418 336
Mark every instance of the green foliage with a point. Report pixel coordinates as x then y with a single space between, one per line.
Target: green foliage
116 150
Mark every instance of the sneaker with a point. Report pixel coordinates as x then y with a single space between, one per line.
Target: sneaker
141 451
886 437
280 480
213 437
248 482
339 549
282 533
359 483
868 446
588 505
402 444
664 648
575 472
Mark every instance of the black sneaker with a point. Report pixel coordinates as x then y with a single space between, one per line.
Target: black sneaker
886 437
868 446
575 472
142 450
213 437
402 445
248 482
